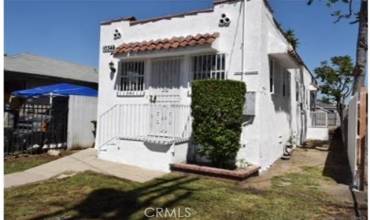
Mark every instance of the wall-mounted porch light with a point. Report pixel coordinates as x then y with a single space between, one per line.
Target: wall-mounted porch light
111 67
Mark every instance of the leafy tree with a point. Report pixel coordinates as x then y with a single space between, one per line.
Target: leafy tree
292 38
361 52
335 78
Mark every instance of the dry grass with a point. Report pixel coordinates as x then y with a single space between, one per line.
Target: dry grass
93 196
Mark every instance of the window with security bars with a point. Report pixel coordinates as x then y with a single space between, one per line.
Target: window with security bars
131 76
211 66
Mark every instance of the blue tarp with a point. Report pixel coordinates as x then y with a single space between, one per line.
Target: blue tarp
60 89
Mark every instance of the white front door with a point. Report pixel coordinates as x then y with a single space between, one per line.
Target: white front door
164 92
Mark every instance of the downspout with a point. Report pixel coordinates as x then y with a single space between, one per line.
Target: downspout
243 40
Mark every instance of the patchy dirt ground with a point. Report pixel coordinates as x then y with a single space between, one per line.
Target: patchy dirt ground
329 158
301 159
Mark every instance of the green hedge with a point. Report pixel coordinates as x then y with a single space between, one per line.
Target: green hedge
217 107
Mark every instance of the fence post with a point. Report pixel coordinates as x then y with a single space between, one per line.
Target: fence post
362 132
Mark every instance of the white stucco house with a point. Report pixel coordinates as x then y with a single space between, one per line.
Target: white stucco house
147 66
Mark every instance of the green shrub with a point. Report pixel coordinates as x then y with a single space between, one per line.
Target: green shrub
217 107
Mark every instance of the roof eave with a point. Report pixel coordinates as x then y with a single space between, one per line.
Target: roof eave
130 19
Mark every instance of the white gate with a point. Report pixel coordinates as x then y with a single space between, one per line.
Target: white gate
161 120
164 91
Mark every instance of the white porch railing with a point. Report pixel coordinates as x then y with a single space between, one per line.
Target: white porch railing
155 123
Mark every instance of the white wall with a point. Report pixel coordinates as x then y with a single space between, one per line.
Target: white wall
276 114
228 42
149 156
318 134
81 111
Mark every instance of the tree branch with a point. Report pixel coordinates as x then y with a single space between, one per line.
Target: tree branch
346 93
348 15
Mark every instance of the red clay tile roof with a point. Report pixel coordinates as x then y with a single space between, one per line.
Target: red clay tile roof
164 44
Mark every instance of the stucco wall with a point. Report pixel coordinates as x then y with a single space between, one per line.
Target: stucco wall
149 156
318 134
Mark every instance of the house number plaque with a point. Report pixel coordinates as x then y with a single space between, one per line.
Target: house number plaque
109 49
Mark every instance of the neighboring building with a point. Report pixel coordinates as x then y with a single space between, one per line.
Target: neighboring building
322 105
145 73
26 71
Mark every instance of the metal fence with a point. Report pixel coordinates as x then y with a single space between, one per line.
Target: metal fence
145 122
323 119
333 119
33 128
319 119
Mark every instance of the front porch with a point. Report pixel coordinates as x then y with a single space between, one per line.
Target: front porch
163 124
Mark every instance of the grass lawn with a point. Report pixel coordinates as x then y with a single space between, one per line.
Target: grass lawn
93 196
24 162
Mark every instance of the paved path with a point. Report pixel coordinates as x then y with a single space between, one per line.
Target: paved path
81 161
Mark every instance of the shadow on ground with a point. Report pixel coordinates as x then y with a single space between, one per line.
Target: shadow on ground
336 164
110 203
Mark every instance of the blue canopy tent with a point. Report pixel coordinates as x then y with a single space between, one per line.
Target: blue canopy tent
46 125
60 89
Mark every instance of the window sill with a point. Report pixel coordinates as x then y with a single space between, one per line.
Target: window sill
130 93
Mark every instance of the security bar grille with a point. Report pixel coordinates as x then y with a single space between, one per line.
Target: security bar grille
211 66
131 76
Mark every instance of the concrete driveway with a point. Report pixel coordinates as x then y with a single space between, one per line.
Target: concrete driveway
81 161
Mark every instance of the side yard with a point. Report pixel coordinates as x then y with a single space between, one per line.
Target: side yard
301 188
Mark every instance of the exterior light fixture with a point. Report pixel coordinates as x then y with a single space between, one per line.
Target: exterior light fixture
111 67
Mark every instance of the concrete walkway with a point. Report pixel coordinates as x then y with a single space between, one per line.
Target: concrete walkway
81 161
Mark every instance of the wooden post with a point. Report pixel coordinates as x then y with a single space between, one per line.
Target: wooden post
362 132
